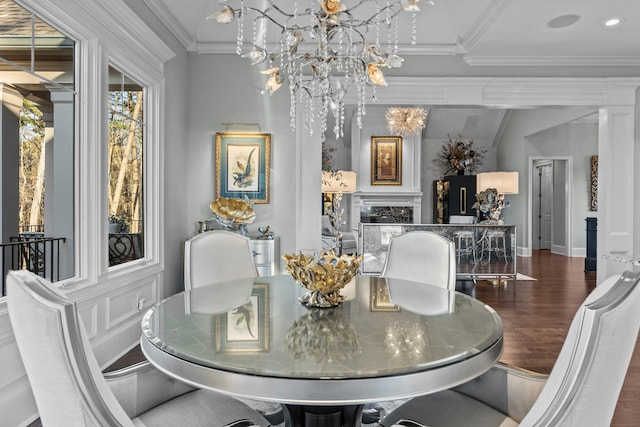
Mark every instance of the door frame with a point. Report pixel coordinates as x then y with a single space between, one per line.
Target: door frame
535 183
568 187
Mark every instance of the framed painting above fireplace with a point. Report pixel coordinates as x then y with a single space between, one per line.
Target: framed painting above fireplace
386 160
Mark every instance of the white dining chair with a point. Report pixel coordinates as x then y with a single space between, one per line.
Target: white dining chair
422 256
217 256
582 389
71 391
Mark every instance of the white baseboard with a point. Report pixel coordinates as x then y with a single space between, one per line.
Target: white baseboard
556 249
579 252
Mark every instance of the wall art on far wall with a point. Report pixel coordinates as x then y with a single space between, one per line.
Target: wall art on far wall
594 183
386 160
243 164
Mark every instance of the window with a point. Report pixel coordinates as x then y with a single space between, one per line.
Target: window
93 81
37 141
126 168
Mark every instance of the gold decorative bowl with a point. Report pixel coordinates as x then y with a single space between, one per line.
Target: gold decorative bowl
233 214
233 210
323 276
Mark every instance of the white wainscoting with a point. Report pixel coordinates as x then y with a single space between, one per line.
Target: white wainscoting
111 318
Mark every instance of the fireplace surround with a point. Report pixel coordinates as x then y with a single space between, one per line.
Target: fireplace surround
386 207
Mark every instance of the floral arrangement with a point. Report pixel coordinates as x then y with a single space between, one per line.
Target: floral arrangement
459 155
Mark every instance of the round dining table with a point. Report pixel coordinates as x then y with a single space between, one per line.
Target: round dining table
389 339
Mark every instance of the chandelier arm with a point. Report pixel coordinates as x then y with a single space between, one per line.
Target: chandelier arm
262 14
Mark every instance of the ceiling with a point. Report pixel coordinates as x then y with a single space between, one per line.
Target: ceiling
481 32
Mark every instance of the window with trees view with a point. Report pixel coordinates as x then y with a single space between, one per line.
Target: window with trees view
126 165
37 142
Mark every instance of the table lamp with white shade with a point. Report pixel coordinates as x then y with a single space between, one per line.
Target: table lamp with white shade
337 183
492 187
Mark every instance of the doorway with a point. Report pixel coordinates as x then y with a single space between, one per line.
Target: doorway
542 205
550 204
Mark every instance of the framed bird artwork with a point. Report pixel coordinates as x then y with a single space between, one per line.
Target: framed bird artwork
243 162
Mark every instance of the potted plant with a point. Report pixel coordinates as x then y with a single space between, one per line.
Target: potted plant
460 155
115 224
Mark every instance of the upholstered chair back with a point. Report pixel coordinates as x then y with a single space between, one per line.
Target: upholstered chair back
66 380
422 256
585 382
217 256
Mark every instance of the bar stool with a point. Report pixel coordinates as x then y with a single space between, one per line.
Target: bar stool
497 242
466 243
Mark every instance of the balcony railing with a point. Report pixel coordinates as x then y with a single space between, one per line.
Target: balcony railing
33 252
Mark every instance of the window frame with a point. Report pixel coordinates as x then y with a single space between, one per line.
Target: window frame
110 34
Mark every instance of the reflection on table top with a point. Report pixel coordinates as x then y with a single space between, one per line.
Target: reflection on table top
385 328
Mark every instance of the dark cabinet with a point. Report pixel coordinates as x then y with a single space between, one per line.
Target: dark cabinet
454 195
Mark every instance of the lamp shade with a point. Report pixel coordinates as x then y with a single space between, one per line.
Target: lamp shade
338 182
503 182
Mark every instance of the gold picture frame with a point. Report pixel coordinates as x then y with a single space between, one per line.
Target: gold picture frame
243 165
379 299
245 329
386 160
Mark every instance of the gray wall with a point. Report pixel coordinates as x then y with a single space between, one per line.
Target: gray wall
548 133
226 89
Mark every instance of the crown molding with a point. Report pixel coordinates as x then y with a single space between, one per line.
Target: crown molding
405 49
507 92
484 23
163 14
550 61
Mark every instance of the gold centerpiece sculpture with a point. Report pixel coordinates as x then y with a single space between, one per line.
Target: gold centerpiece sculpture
233 214
324 276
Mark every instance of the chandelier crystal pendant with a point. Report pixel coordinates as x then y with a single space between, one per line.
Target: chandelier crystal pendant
323 50
406 121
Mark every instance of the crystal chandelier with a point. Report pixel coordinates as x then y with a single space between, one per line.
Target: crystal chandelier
405 121
322 50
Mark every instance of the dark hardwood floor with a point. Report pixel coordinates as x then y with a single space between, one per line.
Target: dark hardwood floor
536 319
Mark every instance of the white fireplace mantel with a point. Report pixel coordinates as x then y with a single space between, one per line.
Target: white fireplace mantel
411 199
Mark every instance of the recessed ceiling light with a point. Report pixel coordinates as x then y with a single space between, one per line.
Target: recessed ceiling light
612 22
563 21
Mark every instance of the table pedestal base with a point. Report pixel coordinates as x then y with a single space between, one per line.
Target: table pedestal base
322 416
